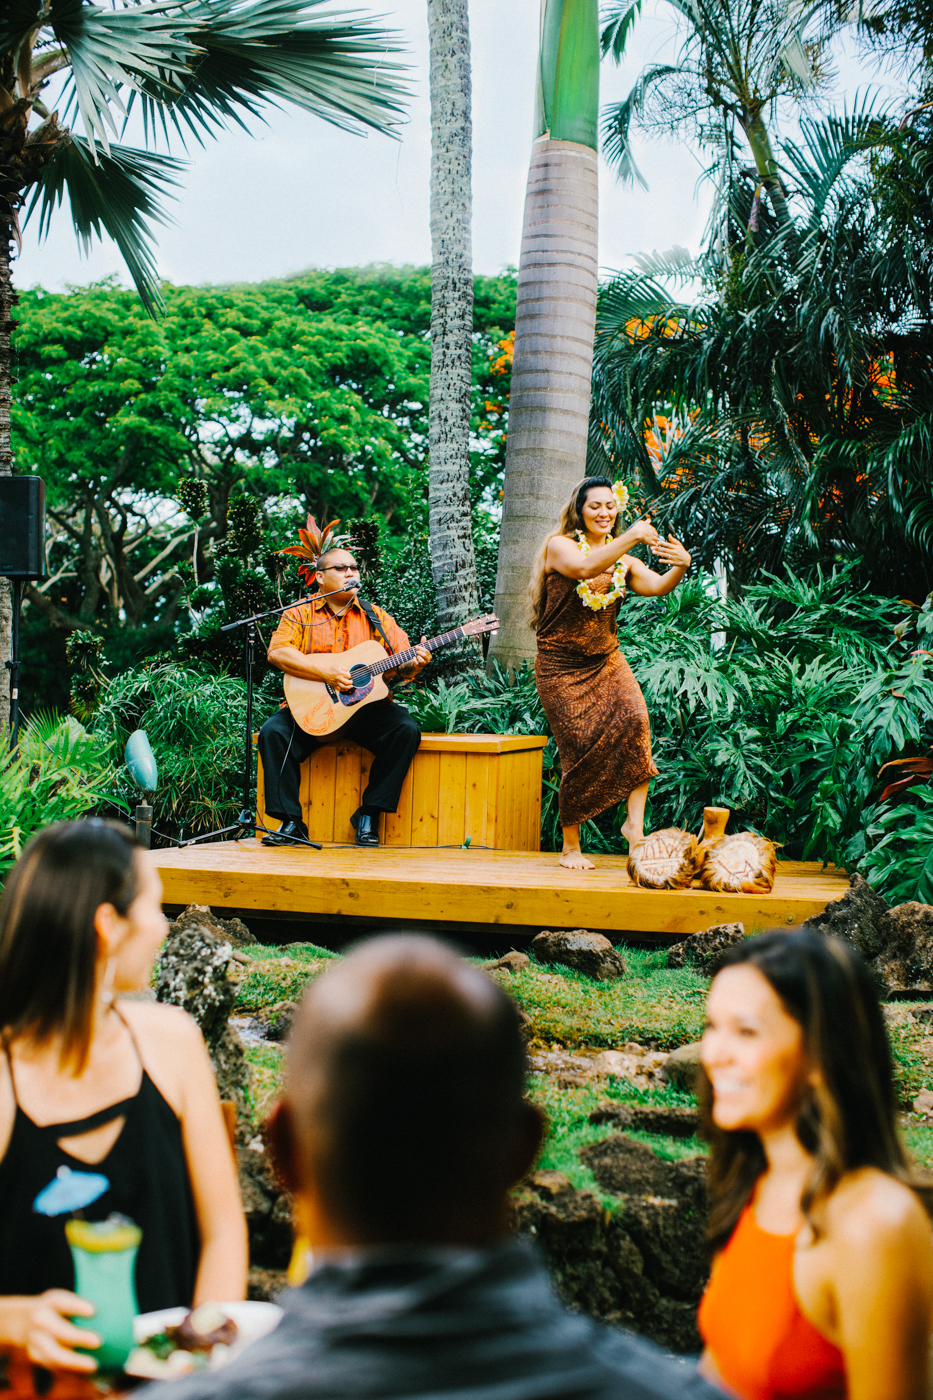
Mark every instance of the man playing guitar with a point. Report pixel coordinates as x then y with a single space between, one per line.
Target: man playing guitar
307 643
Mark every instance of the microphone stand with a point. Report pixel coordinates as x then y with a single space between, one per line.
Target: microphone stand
246 821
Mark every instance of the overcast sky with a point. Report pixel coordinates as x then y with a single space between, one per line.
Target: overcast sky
300 193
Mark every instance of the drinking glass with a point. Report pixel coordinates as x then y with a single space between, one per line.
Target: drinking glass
104 1254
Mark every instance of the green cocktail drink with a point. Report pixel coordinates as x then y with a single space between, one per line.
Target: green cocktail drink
104 1254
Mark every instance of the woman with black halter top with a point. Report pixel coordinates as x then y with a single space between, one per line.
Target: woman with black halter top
121 1091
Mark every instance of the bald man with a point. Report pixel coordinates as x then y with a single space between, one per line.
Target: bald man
402 1129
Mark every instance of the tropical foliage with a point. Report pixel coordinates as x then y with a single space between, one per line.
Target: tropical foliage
783 706
58 773
195 721
737 58
773 394
782 411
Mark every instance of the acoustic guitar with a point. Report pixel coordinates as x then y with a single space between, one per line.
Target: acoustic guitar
320 709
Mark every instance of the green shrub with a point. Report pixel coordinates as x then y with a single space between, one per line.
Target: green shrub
195 721
59 774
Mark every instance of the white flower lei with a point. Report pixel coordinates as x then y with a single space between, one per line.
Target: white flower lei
597 601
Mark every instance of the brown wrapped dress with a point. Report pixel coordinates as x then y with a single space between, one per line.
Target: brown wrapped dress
592 700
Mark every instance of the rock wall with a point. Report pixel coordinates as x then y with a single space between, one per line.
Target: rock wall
643 1267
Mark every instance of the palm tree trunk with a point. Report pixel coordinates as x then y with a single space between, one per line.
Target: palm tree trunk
767 167
453 562
549 406
7 302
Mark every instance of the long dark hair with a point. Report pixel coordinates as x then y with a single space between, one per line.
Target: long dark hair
48 943
848 1120
571 520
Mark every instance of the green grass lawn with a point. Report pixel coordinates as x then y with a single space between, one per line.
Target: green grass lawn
653 1004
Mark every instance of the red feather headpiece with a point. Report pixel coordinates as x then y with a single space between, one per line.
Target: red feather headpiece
315 541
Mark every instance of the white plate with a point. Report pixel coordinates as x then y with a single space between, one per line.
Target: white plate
253 1320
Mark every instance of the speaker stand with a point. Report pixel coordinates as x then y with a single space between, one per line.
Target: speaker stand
12 665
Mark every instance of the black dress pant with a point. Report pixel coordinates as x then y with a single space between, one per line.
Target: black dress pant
385 728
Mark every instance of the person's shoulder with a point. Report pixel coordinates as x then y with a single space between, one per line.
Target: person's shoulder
384 617
870 1206
161 1021
299 612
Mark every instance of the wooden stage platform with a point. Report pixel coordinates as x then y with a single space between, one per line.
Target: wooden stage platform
523 892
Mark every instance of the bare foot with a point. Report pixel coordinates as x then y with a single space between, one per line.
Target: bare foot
575 859
632 834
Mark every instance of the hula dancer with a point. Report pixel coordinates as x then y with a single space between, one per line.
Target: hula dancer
592 700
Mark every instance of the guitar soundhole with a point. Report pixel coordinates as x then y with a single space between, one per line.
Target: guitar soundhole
360 676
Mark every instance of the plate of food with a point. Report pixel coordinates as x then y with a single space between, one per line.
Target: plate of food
174 1342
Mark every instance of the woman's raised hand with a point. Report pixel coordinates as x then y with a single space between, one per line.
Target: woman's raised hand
645 532
42 1327
671 552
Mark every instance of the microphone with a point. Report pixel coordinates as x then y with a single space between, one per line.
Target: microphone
353 583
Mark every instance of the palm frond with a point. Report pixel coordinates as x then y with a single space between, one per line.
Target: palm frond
117 194
617 122
18 18
618 23
829 146
115 49
253 54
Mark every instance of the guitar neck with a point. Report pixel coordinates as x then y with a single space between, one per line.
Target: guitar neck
402 658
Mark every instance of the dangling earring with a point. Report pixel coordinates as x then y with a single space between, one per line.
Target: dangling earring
106 994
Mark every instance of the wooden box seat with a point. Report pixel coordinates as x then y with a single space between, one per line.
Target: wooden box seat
483 786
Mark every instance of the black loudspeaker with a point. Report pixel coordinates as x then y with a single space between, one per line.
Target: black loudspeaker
22 527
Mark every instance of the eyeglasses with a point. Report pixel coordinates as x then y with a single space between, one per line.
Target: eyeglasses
340 569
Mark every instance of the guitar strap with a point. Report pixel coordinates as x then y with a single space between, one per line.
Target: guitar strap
370 612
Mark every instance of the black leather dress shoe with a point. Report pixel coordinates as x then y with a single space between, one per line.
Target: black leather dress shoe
366 827
290 833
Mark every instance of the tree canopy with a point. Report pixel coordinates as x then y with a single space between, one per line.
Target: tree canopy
308 395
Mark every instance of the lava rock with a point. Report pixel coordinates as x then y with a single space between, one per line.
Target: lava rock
906 963
923 1103
589 953
267 1208
192 973
668 1120
682 1066
856 917
232 931
595 1263
704 950
666 1208
595 1266
512 962
276 1021
612 1062
233 1075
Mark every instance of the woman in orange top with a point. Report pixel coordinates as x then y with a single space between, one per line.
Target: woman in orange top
822 1280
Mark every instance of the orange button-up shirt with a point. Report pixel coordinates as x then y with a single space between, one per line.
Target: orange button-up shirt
312 628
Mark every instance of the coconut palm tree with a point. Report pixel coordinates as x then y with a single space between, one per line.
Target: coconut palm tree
738 57
453 561
555 322
192 66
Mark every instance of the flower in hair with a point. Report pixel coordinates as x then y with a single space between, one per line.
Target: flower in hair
620 491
